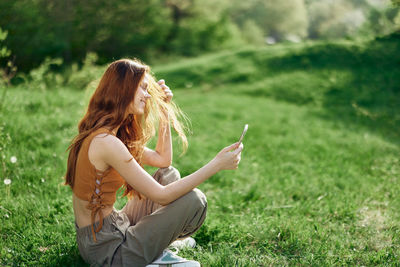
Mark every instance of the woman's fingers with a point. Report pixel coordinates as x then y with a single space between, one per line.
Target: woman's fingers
230 147
165 87
167 91
230 156
237 159
237 155
239 149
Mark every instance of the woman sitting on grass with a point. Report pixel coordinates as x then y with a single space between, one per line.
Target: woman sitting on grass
109 152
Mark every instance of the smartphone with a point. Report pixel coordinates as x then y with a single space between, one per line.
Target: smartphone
243 133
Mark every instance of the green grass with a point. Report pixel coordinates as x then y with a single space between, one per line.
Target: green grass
317 184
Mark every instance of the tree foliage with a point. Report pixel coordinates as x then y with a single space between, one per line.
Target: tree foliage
276 18
7 67
70 29
334 19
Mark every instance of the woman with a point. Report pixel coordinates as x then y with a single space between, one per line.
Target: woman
109 152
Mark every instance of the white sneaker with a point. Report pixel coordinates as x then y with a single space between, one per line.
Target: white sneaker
171 259
188 242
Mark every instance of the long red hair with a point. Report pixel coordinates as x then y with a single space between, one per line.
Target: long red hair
107 108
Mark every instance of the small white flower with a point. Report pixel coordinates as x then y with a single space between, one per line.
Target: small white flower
7 181
6 215
13 159
43 249
42 180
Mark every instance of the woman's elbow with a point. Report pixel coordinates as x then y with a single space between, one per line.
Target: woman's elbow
165 164
163 201
162 198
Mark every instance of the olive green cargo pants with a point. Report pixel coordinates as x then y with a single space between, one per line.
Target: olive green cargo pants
138 234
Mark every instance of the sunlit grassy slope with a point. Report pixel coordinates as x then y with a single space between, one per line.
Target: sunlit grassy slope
319 179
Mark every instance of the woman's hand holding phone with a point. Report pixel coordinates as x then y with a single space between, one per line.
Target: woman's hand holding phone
229 157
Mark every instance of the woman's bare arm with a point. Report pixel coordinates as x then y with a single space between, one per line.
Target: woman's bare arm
112 152
162 156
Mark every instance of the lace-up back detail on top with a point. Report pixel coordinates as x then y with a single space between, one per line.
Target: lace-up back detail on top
98 188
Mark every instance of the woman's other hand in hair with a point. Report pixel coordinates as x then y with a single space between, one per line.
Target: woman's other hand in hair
229 157
167 91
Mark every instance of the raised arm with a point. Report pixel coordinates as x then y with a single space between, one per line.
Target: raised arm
162 156
112 152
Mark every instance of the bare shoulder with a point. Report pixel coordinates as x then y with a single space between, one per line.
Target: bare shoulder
106 143
105 150
108 150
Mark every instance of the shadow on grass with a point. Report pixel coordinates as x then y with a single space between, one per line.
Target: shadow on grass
355 84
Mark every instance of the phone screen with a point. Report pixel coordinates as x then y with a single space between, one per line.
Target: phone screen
243 133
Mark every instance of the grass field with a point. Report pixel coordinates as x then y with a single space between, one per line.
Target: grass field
319 178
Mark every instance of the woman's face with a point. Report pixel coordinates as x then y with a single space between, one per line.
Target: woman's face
141 96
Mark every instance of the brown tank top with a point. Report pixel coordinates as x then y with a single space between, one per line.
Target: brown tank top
98 188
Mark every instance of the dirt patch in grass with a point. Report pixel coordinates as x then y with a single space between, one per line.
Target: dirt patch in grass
376 221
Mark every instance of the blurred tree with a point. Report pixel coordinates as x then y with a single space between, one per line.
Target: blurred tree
4 53
252 33
7 67
283 18
334 19
382 21
22 20
382 18
198 25
240 11
278 19
70 29
179 10
114 29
